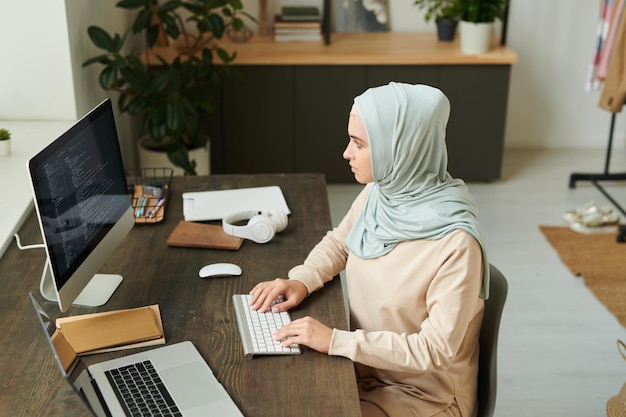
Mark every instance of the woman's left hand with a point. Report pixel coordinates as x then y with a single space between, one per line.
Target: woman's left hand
306 331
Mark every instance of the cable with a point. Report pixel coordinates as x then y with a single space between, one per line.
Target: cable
19 244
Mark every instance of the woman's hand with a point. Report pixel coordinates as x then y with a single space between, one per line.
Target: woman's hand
305 331
264 294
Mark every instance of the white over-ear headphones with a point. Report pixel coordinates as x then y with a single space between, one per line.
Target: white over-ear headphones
261 227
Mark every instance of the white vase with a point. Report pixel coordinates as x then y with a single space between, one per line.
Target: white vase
149 158
5 147
475 38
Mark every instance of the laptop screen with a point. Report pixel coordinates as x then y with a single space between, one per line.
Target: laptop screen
72 368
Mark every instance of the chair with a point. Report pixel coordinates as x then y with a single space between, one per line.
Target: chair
488 359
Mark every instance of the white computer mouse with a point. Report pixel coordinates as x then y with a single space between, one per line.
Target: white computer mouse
219 270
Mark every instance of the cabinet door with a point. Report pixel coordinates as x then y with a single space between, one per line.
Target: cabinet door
324 96
413 74
258 114
478 98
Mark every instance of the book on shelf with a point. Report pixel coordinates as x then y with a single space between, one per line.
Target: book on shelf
298 37
297 30
301 13
280 23
289 32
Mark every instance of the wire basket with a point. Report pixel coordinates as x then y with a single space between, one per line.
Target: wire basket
149 190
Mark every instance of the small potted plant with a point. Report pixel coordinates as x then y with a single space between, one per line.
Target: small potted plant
5 142
476 26
445 13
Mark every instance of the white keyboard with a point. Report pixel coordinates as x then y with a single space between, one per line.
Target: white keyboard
256 329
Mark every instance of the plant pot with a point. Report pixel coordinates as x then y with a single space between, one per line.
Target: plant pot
151 158
475 37
5 147
446 29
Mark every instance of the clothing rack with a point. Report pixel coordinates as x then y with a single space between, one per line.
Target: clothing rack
604 176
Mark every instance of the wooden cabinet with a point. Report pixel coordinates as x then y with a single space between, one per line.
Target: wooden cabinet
258 121
290 113
323 99
478 99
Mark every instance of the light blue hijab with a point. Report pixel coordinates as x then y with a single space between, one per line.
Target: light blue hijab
413 195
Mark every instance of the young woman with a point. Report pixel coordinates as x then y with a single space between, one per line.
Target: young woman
416 269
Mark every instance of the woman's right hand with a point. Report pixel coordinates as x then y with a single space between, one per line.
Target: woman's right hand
264 294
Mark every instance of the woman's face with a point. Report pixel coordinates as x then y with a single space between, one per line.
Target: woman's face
358 150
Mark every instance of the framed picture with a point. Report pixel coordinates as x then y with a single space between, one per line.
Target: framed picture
361 15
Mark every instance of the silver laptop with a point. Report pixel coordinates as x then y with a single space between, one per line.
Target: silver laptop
182 382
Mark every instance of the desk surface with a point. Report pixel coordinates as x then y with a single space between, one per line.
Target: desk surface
191 309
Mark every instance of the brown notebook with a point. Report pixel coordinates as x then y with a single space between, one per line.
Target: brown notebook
111 329
199 235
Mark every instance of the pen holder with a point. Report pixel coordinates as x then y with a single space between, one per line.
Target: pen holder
149 193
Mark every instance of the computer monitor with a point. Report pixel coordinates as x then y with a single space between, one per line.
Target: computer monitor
83 207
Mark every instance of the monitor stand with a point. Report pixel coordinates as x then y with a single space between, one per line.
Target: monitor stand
100 288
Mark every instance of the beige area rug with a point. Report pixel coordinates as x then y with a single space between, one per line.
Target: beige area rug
599 259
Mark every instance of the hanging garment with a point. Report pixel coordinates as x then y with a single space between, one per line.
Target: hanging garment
606 6
614 90
607 50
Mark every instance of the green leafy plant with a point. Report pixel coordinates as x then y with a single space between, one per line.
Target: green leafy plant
438 9
5 134
171 87
481 11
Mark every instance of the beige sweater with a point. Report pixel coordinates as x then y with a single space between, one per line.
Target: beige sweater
415 318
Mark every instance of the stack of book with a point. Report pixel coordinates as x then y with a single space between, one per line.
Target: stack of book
298 24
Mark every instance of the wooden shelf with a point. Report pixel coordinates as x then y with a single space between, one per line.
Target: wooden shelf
389 48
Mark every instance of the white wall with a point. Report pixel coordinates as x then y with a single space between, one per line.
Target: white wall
35 63
80 15
548 105
43 44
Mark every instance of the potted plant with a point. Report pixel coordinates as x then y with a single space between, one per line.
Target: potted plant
5 142
171 87
476 26
445 13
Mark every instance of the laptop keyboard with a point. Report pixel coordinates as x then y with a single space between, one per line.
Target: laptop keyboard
256 328
141 392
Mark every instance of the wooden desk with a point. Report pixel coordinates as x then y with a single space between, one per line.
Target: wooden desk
191 308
